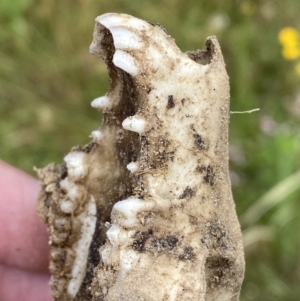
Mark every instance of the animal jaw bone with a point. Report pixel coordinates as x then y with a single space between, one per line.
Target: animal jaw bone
145 211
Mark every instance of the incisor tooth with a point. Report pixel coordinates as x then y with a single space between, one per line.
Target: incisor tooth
112 19
126 62
124 38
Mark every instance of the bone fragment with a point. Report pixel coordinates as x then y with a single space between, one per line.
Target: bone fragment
145 210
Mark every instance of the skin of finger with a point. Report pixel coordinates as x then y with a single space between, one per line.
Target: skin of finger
19 285
23 236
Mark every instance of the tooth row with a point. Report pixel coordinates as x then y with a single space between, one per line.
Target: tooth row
75 194
123 30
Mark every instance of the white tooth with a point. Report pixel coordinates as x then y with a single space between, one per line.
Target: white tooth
101 103
132 167
128 259
129 208
74 193
77 168
126 62
66 206
134 124
116 235
106 254
111 19
61 223
124 38
97 136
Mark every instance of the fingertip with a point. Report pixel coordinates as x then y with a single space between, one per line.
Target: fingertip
24 236
19 285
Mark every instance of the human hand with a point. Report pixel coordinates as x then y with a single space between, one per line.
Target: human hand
24 251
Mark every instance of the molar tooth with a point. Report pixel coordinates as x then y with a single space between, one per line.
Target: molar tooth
132 167
124 38
62 224
111 19
76 165
74 193
66 206
100 103
66 184
116 235
129 208
59 238
134 124
126 62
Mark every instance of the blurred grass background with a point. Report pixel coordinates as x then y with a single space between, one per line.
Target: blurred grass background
48 79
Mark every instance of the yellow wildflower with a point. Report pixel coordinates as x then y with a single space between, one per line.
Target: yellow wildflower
288 34
291 53
289 38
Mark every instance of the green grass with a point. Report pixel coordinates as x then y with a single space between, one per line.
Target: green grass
48 79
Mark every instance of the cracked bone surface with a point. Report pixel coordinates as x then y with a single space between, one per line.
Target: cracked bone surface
145 210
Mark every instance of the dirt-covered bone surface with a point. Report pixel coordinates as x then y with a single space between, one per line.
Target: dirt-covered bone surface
145 210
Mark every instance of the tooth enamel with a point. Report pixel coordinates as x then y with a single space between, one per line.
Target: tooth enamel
116 235
106 254
132 167
134 124
61 222
66 206
128 259
76 166
101 103
126 62
73 192
97 136
109 20
129 209
124 38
